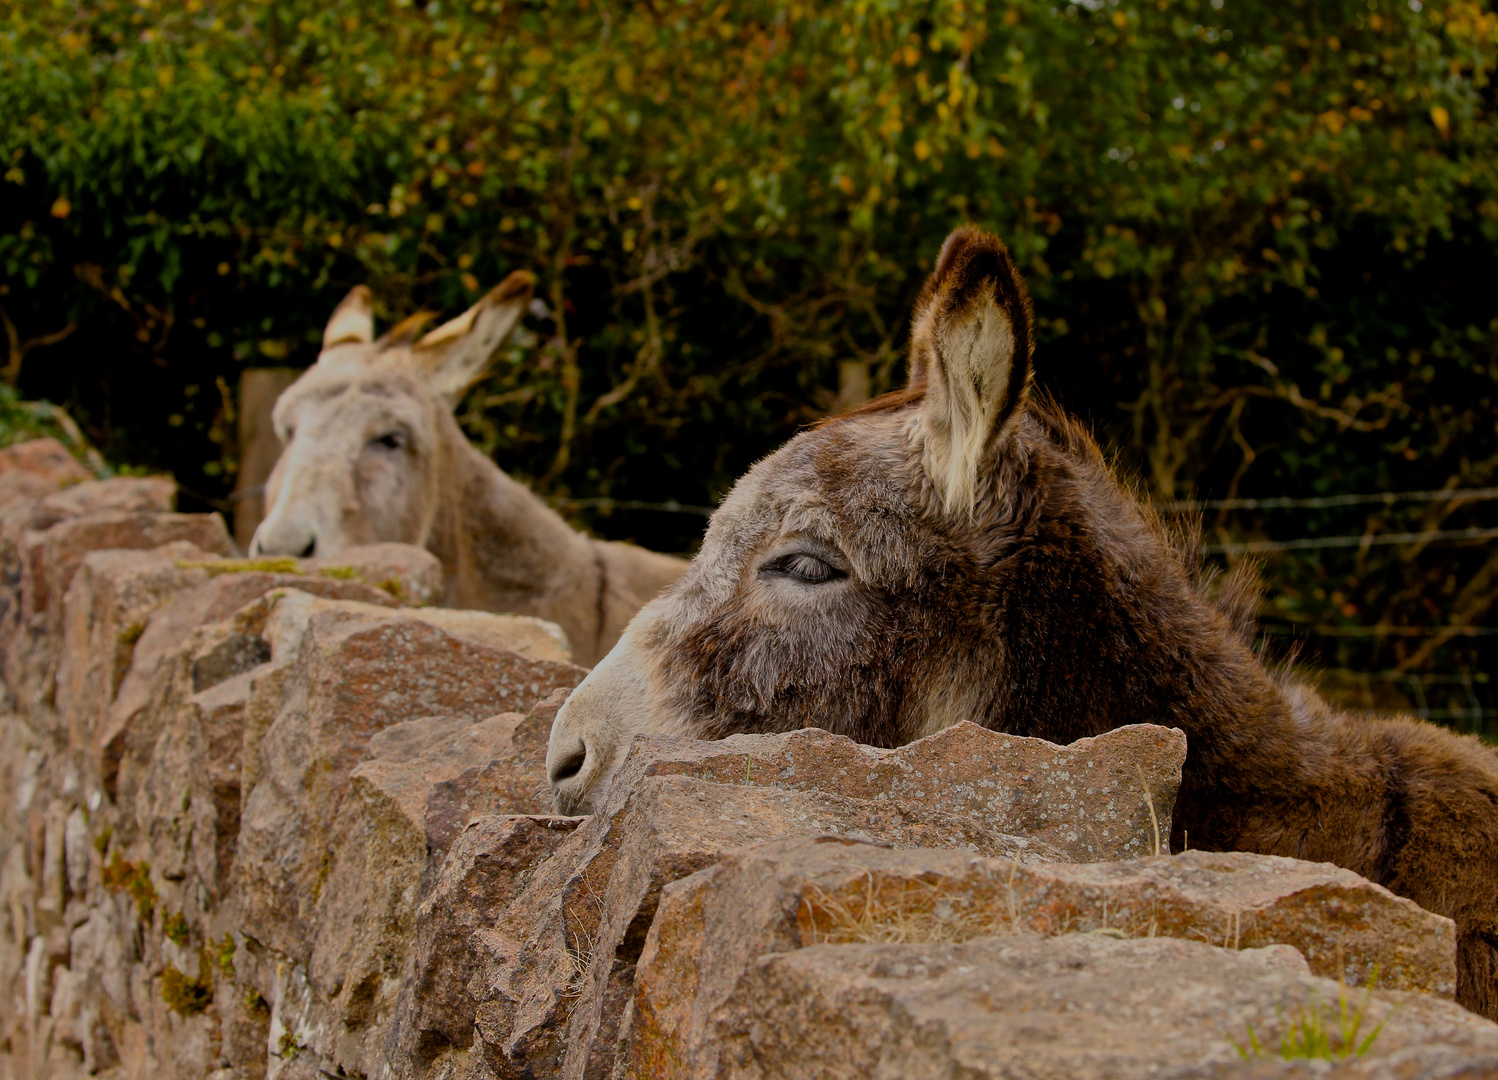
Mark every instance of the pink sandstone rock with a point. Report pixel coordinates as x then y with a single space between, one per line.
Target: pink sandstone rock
349 671
715 932
36 468
1101 798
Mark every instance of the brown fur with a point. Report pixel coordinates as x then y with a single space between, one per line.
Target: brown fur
838 588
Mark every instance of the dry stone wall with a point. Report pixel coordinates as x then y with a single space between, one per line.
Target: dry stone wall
282 819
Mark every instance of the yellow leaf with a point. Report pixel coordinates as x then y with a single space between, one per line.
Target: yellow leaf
62 208
846 183
1120 20
1441 119
164 76
922 150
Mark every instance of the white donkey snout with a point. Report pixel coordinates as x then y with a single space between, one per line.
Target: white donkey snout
592 732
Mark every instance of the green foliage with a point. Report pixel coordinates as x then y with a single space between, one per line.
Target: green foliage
23 420
1259 235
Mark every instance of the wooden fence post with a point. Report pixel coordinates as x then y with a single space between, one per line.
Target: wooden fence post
258 445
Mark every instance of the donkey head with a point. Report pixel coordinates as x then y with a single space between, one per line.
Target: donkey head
874 576
364 429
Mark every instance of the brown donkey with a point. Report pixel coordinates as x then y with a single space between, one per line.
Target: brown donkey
372 452
961 551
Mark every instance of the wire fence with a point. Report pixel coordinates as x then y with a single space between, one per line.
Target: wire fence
1364 540
1386 630
1320 502
670 506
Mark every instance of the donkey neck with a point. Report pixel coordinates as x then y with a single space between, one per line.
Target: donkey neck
1102 621
503 549
1109 628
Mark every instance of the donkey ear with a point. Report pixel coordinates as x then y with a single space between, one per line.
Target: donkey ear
454 356
352 321
970 347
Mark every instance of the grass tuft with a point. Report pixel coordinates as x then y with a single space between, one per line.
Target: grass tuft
1310 1035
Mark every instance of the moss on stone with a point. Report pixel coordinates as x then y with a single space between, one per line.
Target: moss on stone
122 875
174 926
283 564
225 955
342 573
188 996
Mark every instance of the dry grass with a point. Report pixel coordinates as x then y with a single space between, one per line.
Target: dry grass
906 911
576 961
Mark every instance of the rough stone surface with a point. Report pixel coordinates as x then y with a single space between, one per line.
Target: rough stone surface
772 898
42 545
108 604
1101 798
148 677
491 863
36 468
1075 1007
563 954
410 574
365 911
350 671
513 782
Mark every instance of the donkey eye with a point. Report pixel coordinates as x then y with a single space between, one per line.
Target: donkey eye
804 567
391 440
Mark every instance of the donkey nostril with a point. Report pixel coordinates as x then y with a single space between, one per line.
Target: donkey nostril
310 549
570 767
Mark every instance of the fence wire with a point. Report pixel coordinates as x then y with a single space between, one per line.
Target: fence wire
1320 502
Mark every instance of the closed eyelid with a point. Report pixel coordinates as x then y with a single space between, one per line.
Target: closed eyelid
809 545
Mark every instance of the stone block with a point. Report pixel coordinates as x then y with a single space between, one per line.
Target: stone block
348 671
41 563
558 966
1101 798
712 927
1075 1007
36 468
513 782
